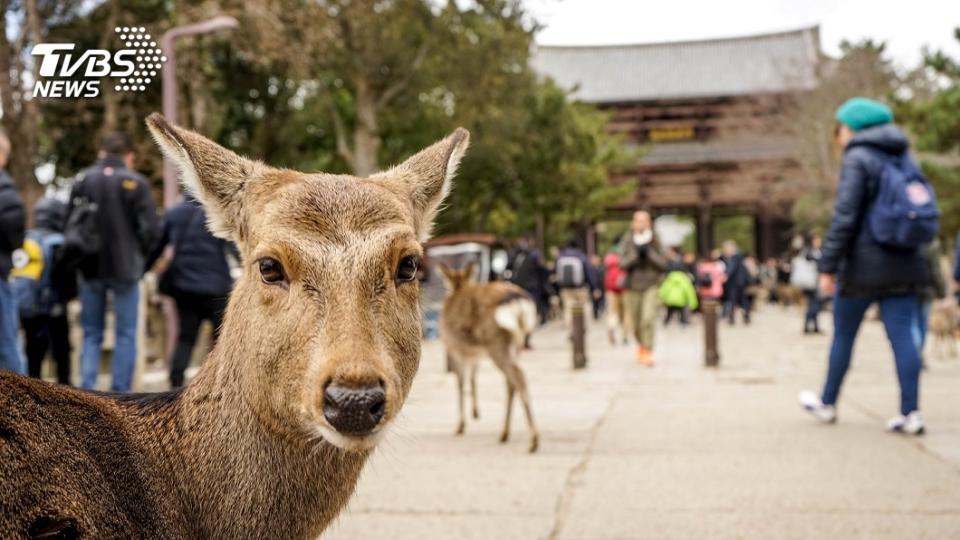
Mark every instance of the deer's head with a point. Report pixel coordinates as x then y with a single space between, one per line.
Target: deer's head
323 329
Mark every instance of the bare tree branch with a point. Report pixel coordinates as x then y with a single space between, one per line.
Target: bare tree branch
340 133
400 84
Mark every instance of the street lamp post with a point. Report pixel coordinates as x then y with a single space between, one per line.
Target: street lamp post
169 92
169 87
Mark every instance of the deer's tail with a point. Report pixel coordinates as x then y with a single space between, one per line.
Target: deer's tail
517 316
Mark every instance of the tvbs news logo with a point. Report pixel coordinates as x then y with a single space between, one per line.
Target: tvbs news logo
66 72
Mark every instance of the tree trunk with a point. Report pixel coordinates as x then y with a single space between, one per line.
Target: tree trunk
366 138
20 115
108 95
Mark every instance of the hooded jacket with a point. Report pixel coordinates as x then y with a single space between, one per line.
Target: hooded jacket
863 267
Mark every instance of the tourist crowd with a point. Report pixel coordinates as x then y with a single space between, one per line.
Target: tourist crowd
97 246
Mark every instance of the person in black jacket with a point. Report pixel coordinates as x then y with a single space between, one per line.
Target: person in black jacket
197 277
128 228
528 272
735 287
860 271
12 218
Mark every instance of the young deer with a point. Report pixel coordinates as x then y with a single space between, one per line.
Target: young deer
319 347
490 319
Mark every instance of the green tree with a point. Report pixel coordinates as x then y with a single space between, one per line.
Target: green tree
353 86
861 70
934 120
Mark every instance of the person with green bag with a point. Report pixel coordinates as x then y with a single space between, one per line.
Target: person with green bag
679 295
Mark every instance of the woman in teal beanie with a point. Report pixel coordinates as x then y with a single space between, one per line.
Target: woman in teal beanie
860 113
859 271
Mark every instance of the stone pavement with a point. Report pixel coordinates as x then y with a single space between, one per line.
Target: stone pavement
676 451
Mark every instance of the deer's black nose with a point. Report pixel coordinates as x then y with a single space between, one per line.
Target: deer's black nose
354 411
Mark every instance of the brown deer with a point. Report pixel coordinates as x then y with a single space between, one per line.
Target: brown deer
319 347
943 326
493 320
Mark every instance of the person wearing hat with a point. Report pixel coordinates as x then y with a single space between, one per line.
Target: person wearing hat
858 270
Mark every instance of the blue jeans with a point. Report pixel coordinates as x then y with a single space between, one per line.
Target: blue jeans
899 315
920 330
93 300
10 355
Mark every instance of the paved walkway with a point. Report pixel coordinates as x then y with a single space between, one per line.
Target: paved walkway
676 451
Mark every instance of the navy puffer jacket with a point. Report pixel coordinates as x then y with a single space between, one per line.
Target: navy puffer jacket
863 267
199 264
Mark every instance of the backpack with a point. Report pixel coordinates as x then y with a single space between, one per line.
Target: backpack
803 273
31 280
570 273
615 278
710 279
82 237
904 213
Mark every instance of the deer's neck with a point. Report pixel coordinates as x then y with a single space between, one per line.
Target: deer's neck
235 475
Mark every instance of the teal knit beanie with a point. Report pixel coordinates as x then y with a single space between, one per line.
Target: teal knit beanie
860 113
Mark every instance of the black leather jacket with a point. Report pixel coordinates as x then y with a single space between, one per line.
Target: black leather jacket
863 267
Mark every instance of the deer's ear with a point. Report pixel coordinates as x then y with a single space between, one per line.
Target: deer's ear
216 176
448 276
470 271
426 178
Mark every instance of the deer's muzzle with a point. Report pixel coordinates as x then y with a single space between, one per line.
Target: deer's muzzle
354 411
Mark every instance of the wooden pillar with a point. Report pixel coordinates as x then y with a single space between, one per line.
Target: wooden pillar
591 239
704 219
764 236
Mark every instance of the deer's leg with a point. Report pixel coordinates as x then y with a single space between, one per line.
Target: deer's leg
516 382
521 385
505 434
473 389
458 369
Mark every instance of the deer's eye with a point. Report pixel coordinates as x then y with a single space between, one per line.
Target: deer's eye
407 269
271 271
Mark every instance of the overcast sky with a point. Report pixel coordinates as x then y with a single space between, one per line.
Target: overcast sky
906 26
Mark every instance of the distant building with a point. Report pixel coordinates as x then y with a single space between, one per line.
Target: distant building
712 111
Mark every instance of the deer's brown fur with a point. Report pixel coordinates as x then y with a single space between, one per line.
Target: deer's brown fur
487 320
244 451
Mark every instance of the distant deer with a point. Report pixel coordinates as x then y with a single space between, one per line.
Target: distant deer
942 325
318 350
493 320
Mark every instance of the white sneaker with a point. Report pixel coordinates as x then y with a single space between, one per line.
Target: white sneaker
911 424
811 402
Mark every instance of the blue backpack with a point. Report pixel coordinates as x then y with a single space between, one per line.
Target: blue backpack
32 276
904 213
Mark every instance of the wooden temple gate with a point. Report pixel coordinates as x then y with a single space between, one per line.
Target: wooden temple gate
709 116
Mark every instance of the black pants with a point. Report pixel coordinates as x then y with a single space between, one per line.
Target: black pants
193 309
47 332
681 313
810 322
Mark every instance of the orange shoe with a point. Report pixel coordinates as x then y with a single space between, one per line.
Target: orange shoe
644 356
